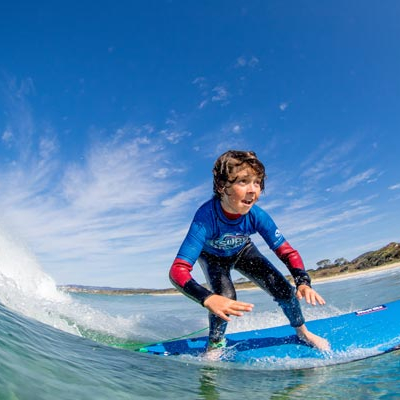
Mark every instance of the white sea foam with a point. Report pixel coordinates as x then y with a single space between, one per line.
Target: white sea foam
27 289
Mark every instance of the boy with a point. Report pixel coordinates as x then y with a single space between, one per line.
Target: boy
219 239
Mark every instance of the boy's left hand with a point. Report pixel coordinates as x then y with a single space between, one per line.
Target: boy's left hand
310 295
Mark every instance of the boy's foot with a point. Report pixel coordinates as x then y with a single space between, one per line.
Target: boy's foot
313 340
215 350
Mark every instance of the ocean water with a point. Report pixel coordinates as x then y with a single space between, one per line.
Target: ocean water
55 345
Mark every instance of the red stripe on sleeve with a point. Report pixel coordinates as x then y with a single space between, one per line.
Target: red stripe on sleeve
289 256
180 272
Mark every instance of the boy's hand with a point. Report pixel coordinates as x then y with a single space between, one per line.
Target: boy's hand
310 295
223 307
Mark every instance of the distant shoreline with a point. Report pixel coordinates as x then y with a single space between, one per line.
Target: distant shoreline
335 277
353 274
239 286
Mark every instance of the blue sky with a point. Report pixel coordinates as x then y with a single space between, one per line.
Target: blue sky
112 114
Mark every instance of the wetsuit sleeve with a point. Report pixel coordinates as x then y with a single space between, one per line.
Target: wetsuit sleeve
180 272
266 227
182 279
291 258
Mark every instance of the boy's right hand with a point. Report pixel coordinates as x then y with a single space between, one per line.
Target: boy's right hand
223 307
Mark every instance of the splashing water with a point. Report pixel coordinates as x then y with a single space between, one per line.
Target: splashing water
27 289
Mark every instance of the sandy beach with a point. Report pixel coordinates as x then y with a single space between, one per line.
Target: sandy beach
343 275
350 275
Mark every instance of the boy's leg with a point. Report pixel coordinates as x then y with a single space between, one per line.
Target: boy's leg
262 272
217 273
258 269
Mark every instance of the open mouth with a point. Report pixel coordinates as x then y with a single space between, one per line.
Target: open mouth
248 202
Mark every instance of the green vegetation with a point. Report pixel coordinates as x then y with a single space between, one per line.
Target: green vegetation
386 255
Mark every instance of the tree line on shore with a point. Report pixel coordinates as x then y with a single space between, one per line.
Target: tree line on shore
386 255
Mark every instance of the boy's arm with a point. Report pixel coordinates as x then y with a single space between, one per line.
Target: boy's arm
292 259
182 279
221 306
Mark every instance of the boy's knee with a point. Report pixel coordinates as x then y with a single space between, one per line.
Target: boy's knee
230 294
225 289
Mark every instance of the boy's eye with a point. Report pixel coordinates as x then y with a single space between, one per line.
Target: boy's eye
246 181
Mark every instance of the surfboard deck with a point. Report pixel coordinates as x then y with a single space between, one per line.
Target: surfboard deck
364 333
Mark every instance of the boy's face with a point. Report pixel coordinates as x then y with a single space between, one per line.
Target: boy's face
239 197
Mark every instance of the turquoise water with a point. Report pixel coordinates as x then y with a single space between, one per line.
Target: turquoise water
59 346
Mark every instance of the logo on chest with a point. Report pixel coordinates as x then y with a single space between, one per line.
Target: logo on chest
228 242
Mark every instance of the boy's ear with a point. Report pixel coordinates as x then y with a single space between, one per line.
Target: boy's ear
222 191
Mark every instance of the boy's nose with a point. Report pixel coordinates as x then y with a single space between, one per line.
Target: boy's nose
251 187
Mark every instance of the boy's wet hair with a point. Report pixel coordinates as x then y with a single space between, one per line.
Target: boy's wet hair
228 165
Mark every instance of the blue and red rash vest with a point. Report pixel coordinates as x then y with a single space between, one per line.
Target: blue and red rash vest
213 232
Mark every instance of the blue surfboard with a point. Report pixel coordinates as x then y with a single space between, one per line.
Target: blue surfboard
357 335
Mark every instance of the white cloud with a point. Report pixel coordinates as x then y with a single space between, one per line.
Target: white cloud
114 176
320 220
327 160
19 112
221 94
253 61
110 210
218 94
395 187
203 104
236 128
7 136
243 61
283 106
200 82
161 173
185 198
300 203
164 173
175 136
47 147
353 181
